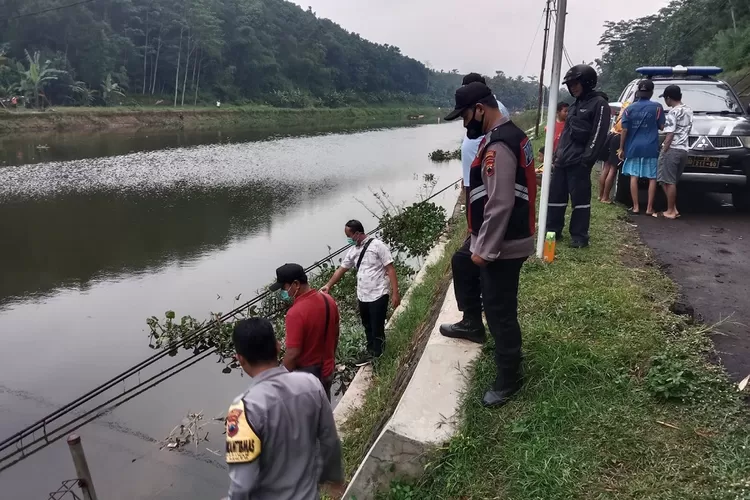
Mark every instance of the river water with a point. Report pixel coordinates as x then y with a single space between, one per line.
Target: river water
101 231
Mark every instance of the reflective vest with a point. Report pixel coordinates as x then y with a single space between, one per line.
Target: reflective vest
523 217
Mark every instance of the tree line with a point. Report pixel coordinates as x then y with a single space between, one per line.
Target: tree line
686 32
186 52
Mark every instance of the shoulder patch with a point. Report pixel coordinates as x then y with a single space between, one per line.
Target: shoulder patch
489 162
243 444
528 153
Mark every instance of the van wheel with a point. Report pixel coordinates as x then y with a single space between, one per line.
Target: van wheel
622 190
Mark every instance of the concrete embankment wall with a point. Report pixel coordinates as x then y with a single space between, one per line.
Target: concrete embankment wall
427 414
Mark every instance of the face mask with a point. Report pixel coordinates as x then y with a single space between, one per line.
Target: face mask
284 295
475 128
351 241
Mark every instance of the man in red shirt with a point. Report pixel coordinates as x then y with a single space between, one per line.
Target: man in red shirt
312 325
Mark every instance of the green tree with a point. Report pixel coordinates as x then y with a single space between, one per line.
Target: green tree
110 88
38 75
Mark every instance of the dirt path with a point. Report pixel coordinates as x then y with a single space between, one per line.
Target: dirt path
707 252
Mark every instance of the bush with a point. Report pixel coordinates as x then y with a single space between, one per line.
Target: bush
414 230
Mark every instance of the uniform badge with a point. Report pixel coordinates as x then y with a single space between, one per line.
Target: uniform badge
233 419
489 162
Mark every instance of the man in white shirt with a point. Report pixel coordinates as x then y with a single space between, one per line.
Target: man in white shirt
376 276
465 272
674 152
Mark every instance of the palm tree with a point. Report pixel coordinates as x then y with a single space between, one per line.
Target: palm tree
38 75
86 95
110 88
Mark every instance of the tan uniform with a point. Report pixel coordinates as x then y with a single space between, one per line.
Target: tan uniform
278 434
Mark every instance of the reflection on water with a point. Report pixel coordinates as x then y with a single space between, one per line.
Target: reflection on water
68 240
92 246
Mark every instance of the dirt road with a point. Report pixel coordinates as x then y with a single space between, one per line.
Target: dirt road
707 252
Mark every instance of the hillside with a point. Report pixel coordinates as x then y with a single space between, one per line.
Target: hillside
180 52
687 32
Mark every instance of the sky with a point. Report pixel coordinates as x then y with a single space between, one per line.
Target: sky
445 35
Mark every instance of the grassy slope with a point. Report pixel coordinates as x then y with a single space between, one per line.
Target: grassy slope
363 422
73 118
587 424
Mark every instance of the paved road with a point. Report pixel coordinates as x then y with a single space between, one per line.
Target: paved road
707 252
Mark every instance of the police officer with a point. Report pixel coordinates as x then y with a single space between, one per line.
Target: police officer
583 138
272 429
501 204
466 284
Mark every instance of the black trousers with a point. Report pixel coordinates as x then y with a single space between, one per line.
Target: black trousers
466 282
500 297
573 182
373 316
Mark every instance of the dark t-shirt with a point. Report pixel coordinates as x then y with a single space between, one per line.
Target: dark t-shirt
305 322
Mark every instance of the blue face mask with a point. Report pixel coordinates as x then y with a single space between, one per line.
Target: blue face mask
284 295
351 241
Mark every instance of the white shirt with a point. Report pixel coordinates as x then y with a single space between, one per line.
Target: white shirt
679 122
372 280
470 148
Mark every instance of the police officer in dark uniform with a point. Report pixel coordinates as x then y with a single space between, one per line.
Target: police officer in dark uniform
501 206
583 138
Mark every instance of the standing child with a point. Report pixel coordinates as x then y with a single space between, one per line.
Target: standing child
639 143
675 148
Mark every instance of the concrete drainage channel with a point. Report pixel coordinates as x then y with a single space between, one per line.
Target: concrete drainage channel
426 416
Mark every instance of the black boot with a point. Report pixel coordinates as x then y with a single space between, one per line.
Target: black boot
579 244
503 390
471 329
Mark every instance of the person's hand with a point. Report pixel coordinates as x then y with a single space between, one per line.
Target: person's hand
396 300
621 154
326 289
476 259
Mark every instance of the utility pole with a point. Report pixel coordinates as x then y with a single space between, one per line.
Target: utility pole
82 467
541 72
554 88
734 21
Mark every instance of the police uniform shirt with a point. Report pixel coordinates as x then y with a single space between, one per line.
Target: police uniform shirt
272 432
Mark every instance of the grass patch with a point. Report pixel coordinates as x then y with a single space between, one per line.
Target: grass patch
251 116
619 402
384 392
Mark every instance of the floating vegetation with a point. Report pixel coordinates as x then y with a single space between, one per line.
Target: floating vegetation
440 155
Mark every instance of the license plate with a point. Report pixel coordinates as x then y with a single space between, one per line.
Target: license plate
703 161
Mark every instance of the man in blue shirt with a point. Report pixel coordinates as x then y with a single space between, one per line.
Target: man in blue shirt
639 143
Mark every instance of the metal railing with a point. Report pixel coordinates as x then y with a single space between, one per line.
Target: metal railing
71 416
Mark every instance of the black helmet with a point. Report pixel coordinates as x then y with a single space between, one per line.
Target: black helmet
582 73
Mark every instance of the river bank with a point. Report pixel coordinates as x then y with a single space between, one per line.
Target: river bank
64 119
621 399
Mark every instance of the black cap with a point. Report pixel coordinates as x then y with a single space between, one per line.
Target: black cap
287 274
673 92
473 77
467 96
645 86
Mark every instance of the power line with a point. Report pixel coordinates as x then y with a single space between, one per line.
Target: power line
541 19
44 11
24 443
